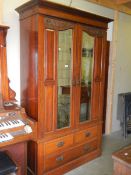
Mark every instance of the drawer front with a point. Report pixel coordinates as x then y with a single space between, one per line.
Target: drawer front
87 148
58 144
53 161
86 135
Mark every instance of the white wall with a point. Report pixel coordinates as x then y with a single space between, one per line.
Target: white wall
1 11
123 64
11 19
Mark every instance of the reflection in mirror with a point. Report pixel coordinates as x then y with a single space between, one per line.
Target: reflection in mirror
64 78
86 76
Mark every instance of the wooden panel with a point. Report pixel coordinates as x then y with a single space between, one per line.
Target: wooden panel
31 156
103 72
54 161
18 152
29 67
58 144
75 163
41 51
97 59
49 108
78 50
128 5
97 78
122 161
49 55
106 84
59 11
122 1
5 90
53 24
121 169
86 135
77 72
95 103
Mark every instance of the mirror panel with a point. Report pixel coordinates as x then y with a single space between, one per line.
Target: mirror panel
64 78
87 61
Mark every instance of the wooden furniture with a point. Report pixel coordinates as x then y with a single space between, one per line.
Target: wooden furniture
106 86
62 47
122 161
9 111
13 131
84 92
5 90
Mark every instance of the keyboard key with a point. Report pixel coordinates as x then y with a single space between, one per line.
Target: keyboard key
5 137
11 124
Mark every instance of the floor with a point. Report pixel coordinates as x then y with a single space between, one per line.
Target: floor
104 164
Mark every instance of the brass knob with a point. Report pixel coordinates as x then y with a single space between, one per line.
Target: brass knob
87 134
78 82
86 147
59 159
60 144
73 82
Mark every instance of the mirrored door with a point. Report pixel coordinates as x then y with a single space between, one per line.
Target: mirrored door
64 77
87 62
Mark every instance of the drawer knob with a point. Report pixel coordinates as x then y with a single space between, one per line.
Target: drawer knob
73 82
60 144
59 159
87 134
86 148
78 82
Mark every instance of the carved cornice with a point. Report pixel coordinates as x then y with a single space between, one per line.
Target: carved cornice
93 31
57 24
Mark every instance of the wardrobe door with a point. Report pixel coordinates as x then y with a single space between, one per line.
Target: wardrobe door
64 78
59 48
90 74
86 78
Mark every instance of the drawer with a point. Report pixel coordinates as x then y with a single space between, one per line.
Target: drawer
54 161
58 144
86 135
86 148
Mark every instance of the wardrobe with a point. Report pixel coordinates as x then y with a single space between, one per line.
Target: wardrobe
63 56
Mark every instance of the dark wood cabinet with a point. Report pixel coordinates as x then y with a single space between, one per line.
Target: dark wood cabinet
62 84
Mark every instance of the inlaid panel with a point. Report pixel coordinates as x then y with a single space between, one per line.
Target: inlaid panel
49 108
49 55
